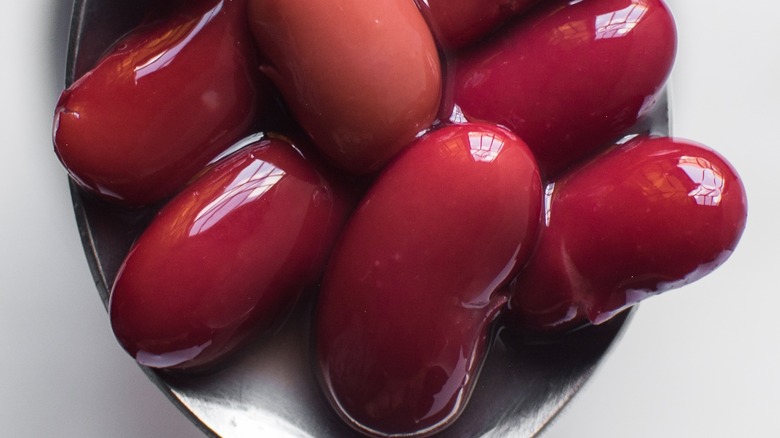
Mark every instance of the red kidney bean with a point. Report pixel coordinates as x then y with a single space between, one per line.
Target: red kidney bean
571 77
645 217
226 258
457 23
361 77
161 104
410 293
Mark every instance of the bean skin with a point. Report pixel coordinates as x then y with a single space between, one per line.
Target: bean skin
642 218
570 78
362 77
411 292
227 258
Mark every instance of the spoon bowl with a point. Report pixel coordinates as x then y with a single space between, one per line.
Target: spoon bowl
271 387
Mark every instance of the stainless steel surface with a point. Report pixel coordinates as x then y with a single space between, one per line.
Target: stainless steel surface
271 387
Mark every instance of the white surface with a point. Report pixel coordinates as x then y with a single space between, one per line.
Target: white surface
702 361
62 374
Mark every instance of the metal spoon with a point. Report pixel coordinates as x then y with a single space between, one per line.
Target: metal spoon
271 388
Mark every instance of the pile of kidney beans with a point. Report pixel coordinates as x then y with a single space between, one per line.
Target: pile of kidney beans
429 168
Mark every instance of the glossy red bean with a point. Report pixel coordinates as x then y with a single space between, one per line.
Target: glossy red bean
161 104
644 217
571 77
411 290
226 258
457 23
361 77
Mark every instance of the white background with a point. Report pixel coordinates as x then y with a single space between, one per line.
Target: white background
699 362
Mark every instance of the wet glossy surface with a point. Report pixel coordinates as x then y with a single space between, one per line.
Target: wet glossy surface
571 77
648 216
164 102
227 258
406 305
457 23
361 77
269 387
